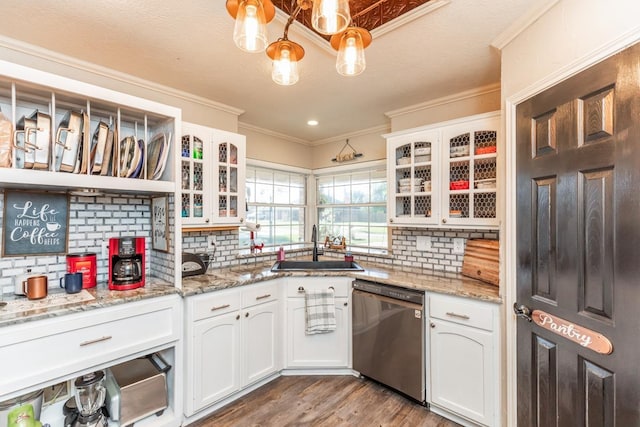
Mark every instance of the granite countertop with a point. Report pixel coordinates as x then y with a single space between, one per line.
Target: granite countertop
58 303
433 281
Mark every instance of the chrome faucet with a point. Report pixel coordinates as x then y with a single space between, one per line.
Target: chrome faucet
314 238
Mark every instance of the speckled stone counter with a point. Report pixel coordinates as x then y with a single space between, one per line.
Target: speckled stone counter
432 281
102 297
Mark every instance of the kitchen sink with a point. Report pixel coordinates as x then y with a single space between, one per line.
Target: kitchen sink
316 266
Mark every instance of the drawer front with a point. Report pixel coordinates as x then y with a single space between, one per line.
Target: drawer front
76 343
297 286
260 293
462 311
214 304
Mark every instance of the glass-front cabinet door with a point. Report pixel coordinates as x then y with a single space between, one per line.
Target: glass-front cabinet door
230 175
414 178
471 165
194 175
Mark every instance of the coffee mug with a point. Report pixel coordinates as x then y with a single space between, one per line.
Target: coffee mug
71 282
35 287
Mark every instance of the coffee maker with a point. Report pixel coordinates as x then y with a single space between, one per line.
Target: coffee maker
126 263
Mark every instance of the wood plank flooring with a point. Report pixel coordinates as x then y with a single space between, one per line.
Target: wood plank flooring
323 401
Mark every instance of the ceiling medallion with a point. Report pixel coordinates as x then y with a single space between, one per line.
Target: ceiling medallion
328 17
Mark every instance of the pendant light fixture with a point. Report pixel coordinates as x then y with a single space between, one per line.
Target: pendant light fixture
350 46
328 17
252 16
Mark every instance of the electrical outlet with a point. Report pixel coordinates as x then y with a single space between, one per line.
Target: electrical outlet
458 245
211 241
105 249
423 243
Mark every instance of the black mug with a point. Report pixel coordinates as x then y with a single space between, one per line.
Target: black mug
71 282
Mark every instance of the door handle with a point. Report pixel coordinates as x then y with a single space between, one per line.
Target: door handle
522 311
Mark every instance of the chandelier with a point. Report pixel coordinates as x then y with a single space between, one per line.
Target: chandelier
328 17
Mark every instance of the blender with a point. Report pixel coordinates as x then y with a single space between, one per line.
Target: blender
86 408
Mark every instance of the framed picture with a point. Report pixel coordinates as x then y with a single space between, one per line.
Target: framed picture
160 224
35 223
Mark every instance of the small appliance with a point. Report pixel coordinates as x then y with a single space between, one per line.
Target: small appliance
137 389
126 263
84 263
86 408
194 264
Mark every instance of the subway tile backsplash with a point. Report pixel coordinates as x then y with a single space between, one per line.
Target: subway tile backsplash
92 221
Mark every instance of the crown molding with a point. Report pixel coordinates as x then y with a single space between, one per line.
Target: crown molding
376 129
522 23
269 132
483 90
416 13
42 53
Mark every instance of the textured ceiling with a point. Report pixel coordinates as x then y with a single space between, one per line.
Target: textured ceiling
188 46
369 14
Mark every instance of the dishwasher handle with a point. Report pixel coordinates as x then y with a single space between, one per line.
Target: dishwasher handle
364 294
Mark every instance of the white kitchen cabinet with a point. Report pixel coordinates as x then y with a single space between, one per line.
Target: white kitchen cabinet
464 372
42 353
24 90
326 350
233 341
212 176
444 175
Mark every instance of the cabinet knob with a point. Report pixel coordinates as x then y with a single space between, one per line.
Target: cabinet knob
246 315
206 220
390 219
433 325
345 304
444 220
238 317
241 219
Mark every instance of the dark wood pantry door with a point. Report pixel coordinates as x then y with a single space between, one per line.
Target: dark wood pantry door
578 246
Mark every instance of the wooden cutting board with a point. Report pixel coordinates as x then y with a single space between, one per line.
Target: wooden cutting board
481 260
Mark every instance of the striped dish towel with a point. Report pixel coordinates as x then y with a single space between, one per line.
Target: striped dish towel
320 311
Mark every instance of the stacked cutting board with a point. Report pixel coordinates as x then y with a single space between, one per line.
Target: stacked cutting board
482 260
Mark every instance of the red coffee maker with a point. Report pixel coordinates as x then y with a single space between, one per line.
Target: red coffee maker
126 263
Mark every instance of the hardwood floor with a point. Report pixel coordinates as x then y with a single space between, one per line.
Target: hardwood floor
323 401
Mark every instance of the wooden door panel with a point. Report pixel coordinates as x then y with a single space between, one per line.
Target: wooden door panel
578 225
596 243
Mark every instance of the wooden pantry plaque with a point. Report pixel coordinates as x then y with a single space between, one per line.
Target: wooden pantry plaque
582 336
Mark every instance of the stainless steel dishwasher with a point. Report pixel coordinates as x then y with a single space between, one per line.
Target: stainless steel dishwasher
388 336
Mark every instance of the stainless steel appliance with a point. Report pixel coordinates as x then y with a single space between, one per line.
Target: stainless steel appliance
86 408
194 264
388 336
137 389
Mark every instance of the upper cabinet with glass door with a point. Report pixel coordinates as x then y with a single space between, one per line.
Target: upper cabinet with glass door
54 130
413 177
445 175
212 177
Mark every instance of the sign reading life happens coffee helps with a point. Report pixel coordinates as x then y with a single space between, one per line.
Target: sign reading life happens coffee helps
34 223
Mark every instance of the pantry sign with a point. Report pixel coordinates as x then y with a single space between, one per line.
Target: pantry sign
34 223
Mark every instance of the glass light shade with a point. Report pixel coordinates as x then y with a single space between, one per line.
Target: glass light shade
250 31
330 16
351 61
285 57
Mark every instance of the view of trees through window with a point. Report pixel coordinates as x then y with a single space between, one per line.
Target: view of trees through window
277 201
354 206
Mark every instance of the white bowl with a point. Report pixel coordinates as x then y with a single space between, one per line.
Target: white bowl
409 181
404 160
423 158
419 151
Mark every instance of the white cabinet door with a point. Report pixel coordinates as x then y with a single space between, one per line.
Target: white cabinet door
216 358
212 176
260 331
462 376
328 350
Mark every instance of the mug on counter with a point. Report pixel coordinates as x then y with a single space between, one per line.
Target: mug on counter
35 287
71 282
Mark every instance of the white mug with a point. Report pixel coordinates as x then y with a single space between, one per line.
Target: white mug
17 282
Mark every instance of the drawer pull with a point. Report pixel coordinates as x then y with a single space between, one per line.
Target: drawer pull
459 316
97 340
220 307
263 296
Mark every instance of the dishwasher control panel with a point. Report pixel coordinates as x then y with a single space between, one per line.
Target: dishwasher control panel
394 292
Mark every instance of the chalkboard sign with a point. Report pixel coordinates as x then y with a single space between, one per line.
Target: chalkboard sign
34 223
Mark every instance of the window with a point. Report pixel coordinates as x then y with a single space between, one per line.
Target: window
354 206
276 200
